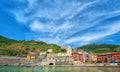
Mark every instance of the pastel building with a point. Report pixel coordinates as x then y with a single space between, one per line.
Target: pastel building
62 58
93 58
32 56
78 58
68 51
51 57
109 57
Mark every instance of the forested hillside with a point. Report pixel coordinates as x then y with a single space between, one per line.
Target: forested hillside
100 48
15 47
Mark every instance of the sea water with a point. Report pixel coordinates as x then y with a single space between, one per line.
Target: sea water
58 69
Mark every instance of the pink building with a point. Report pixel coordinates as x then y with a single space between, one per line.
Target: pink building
78 57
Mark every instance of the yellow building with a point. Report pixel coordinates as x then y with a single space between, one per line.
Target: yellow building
77 62
93 58
32 56
62 54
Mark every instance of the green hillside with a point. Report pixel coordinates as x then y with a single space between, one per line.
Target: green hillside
4 42
100 48
14 47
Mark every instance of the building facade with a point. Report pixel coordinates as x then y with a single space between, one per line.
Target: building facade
62 58
108 58
78 58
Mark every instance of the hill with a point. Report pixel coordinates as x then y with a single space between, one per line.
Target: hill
15 47
6 41
100 48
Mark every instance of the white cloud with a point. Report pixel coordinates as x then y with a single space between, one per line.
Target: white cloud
90 37
40 27
81 8
64 20
36 26
20 16
55 40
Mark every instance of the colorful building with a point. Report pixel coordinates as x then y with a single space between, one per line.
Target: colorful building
90 57
93 57
78 58
109 57
51 57
82 56
64 58
32 56
59 60
68 51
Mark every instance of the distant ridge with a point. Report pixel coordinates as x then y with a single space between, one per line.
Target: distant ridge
100 48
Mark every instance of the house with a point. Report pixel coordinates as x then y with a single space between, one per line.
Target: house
78 58
92 58
68 51
62 58
59 60
32 56
42 54
51 57
109 57
116 57
50 50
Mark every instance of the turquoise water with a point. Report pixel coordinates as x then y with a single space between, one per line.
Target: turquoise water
58 69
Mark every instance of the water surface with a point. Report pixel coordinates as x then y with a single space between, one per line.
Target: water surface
58 69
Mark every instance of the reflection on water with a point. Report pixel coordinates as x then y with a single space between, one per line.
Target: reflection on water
80 69
59 69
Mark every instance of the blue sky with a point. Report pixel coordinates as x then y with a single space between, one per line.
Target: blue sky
63 22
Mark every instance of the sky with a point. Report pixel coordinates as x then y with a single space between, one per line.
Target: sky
62 22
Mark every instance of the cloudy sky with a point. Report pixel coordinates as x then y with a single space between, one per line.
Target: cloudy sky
63 22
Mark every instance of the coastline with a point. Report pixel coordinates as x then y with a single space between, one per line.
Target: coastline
90 65
82 65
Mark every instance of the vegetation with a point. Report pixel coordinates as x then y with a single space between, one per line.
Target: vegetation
99 61
5 41
14 47
100 48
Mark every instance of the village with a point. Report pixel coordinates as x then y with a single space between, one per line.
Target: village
68 57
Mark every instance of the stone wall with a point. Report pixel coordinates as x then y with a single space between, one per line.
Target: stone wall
12 61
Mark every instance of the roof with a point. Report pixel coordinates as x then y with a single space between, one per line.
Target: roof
64 47
114 53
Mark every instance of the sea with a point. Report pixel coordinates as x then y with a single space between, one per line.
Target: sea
58 69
